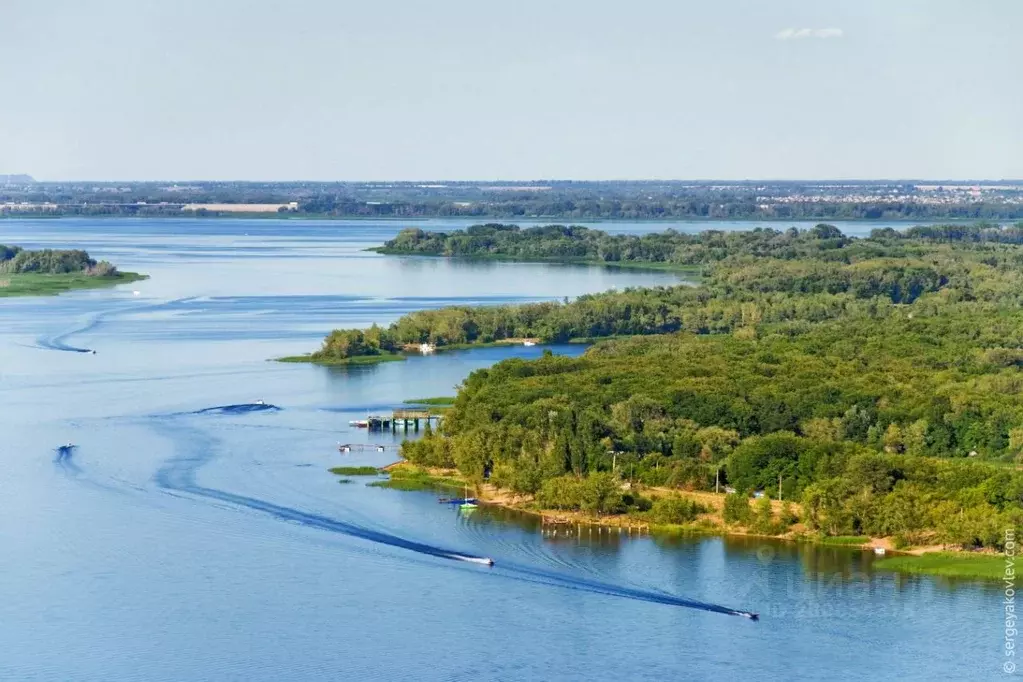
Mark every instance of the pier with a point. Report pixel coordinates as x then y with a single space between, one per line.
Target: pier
403 419
345 448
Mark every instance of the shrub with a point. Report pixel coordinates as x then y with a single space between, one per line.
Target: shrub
676 509
736 508
762 520
563 492
602 493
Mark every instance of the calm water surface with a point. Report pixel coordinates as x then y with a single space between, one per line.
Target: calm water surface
176 544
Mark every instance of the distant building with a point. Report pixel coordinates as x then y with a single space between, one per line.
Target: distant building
242 208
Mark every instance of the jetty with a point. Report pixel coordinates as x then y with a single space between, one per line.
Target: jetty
403 418
379 447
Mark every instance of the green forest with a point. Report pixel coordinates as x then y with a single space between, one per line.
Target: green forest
15 260
748 278
875 381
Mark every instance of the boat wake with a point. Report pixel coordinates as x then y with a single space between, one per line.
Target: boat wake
59 342
240 408
63 458
179 475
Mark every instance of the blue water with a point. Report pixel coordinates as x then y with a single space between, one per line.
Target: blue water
192 533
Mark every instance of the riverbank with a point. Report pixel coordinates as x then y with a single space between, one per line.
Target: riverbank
694 273
929 560
518 341
949 564
354 360
38 284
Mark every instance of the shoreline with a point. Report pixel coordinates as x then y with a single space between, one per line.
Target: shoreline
550 220
694 271
343 362
38 284
934 560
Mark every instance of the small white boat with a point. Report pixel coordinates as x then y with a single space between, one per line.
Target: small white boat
880 551
529 343
360 423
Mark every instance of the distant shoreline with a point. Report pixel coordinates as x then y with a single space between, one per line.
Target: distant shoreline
354 360
553 220
692 270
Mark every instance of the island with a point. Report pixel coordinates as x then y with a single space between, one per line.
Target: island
813 386
49 271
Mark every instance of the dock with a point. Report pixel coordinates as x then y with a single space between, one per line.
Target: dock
345 448
403 419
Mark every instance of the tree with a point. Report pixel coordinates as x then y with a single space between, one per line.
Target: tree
736 509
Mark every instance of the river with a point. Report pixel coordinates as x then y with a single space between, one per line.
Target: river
179 542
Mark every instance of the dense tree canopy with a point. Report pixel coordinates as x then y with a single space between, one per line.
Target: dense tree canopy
15 260
877 380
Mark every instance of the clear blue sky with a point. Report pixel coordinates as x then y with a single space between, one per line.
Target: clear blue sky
587 89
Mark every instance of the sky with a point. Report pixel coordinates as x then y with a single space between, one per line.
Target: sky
531 89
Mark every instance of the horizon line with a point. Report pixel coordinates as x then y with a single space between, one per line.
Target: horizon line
534 180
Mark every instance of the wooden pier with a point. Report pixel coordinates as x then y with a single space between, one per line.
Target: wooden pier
403 419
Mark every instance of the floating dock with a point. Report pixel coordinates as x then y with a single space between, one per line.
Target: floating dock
398 419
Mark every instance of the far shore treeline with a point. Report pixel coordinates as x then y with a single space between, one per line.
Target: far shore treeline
876 380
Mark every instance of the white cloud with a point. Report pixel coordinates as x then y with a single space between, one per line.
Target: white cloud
797 33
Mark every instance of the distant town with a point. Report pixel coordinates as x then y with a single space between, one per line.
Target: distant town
21 195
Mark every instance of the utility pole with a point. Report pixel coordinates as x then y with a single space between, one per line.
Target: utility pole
779 487
717 479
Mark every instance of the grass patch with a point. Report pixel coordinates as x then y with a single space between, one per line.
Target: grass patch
356 360
844 540
439 400
950 564
355 471
38 284
345 480
412 478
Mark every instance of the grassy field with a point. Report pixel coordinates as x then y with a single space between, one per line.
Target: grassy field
950 564
439 400
357 360
843 540
35 284
407 477
355 471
